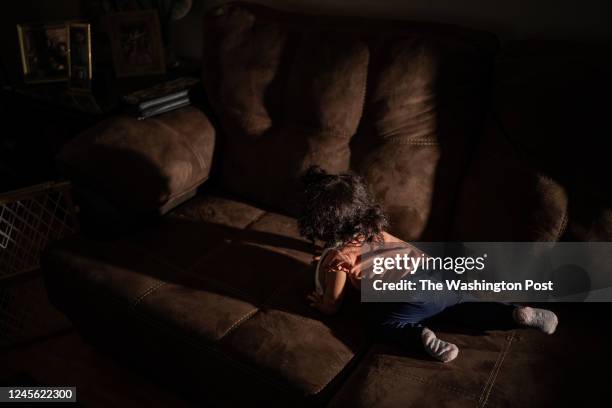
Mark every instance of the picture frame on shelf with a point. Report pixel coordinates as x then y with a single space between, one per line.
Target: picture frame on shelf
136 43
44 52
79 57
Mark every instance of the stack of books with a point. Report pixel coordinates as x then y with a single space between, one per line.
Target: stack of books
160 98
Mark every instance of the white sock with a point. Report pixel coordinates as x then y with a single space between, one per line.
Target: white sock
439 349
541 319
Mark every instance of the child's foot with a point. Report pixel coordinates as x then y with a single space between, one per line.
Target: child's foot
541 319
439 349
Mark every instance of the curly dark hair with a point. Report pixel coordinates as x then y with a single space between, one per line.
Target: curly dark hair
339 207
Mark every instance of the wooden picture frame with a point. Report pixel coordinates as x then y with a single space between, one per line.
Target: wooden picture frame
44 52
136 43
79 57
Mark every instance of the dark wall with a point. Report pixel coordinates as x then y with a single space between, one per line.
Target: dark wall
582 20
579 20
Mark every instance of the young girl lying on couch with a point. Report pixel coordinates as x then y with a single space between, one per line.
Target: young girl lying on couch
340 211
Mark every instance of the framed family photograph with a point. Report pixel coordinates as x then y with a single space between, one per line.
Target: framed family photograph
79 56
136 43
44 52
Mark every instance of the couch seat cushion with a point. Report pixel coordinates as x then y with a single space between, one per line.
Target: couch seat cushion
390 377
516 368
220 276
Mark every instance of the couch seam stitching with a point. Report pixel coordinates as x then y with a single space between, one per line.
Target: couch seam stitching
303 318
189 271
253 312
407 140
485 388
238 323
256 220
484 398
503 359
563 226
416 143
188 189
458 391
147 292
363 92
487 382
196 342
160 284
248 315
195 152
245 317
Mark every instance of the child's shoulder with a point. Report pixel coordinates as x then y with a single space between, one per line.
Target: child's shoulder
350 252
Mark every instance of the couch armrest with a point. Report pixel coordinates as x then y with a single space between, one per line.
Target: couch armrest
143 165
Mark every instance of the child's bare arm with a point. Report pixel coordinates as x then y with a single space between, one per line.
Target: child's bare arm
330 301
334 291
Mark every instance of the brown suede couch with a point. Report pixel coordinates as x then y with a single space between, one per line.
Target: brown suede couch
456 141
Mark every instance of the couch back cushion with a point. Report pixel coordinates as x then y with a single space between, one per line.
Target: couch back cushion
377 97
422 116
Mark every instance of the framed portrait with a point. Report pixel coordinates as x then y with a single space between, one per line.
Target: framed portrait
136 43
79 56
44 52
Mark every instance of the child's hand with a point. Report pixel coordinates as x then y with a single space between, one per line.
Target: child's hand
355 271
340 266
